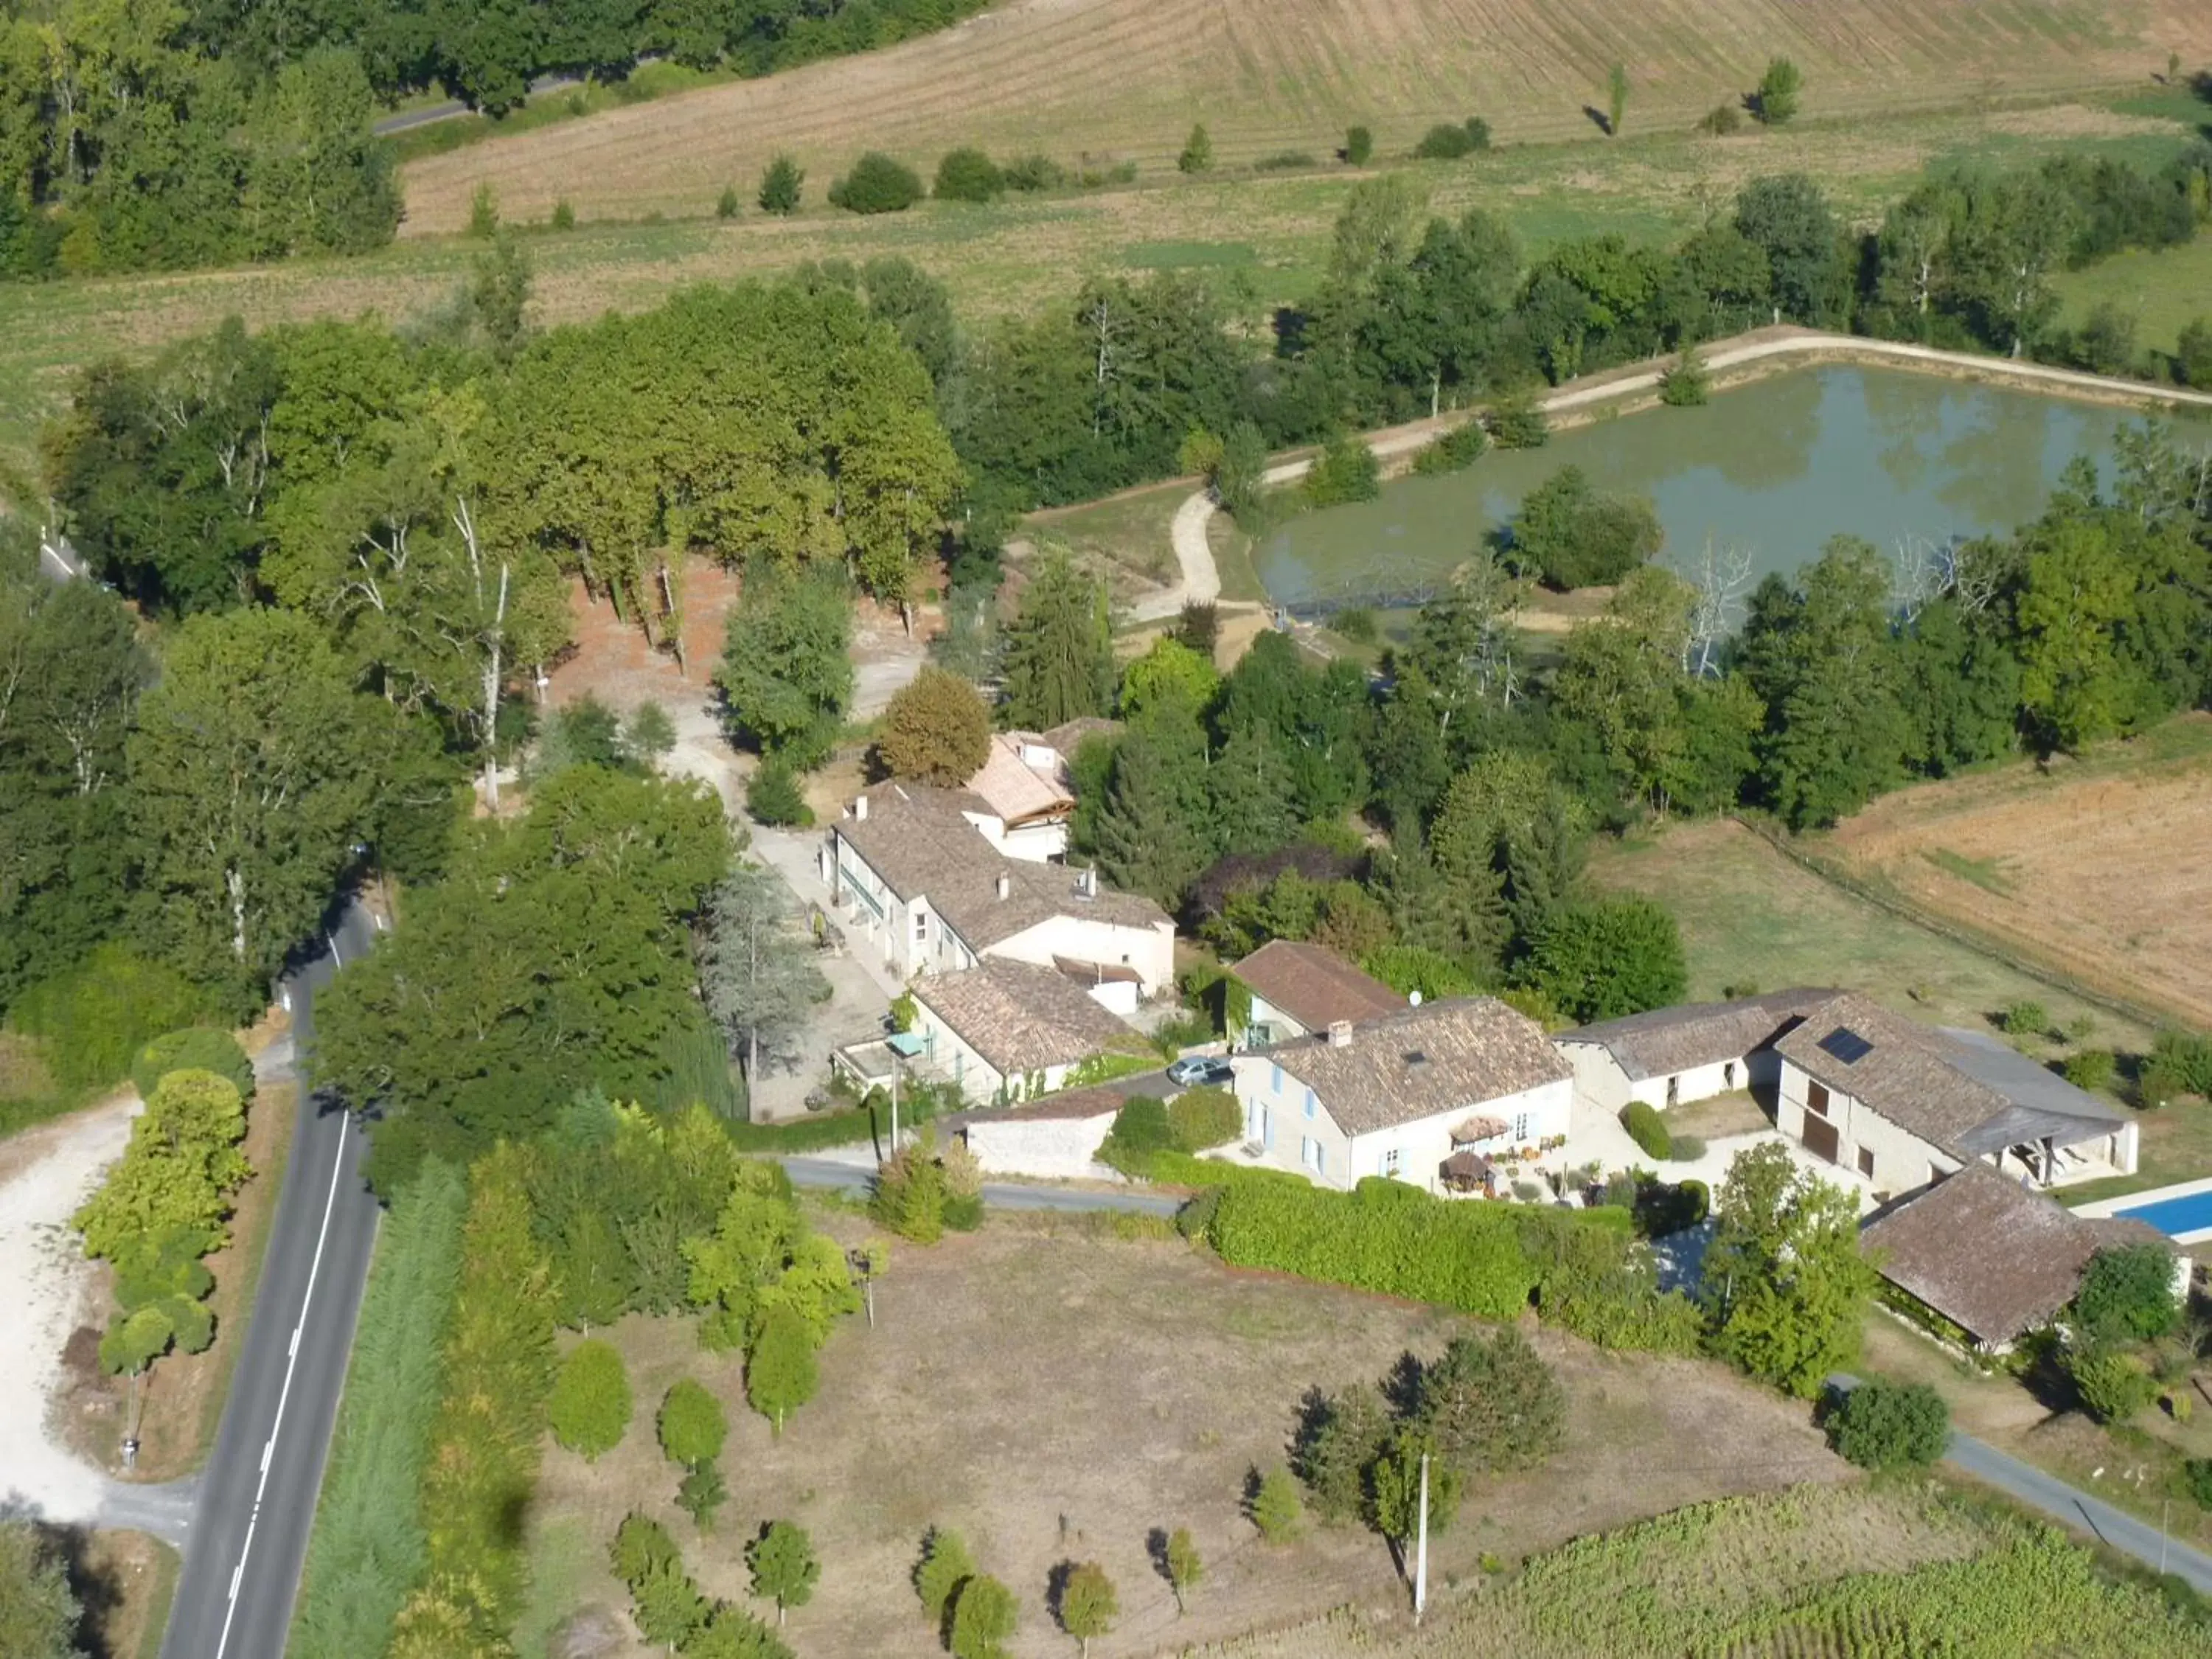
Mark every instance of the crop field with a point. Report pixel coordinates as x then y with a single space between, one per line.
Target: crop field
1838 1573
1122 79
1054 1393
2101 869
1265 237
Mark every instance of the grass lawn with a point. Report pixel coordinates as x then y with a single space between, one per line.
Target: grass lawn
1129 530
2163 291
1054 1392
1750 916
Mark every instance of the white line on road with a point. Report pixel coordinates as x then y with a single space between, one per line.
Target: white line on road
330 1204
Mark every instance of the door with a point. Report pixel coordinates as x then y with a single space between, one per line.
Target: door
1820 1138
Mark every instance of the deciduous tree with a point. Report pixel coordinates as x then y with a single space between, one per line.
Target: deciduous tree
937 730
1088 1606
783 1566
590 1406
1785 1286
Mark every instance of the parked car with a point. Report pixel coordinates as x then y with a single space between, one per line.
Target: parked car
1201 1072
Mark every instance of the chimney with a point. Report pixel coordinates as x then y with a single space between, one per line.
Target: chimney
1086 883
1340 1034
861 808
1006 886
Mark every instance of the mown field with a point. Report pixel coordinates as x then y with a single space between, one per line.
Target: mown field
1122 79
1843 1573
1267 235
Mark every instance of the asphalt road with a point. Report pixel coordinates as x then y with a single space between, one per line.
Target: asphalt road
453 106
257 1497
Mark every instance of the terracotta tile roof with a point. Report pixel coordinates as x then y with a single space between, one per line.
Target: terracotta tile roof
1016 791
1666 1040
1313 985
1990 1255
918 839
1021 1018
1441 1057
1959 1090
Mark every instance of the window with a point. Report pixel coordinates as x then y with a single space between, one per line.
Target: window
1310 1153
1519 1127
1320 1158
920 925
1816 1098
1275 1083
1728 1075
1866 1162
1390 1165
1673 1092
1313 1103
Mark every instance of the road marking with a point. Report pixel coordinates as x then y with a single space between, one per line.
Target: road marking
284 1394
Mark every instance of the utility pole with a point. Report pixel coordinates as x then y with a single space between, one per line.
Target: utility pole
1421 1548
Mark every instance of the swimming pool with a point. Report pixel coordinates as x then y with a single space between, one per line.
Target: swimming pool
2174 1217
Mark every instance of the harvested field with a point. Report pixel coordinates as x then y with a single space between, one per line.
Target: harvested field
1121 79
1054 1393
2102 871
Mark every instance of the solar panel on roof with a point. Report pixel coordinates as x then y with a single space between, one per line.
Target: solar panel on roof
1846 1045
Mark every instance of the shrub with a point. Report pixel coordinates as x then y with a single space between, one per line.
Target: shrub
1662 1207
1686 385
1573 535
1344 471
2127 1294
590 1405
1602 959
564 216
1275 1505
779 186
691 1424
2196 1477
909 1197
780 1375
773 796
1197 152
1460 447
968 175
1140 1128
1032 173
1447 143
2112 1383
944 1566
877 184
2024 1018
1358 624
2092 1069
1517 422
1777 93
1721 121
1359 146
1647 1128
194 1048
483 212
95 1017
1201 1119
2179 1064
1890 1425
1285 161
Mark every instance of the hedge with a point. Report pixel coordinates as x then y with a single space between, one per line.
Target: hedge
195 1048
1647 1128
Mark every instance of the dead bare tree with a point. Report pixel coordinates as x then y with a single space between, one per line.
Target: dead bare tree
1717 583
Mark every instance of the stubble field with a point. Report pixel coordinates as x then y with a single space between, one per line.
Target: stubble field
1125 78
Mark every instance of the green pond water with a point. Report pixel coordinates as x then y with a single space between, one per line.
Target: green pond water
1773 469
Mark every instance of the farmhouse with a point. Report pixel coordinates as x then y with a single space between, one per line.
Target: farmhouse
1401 1096
913 872
1026 797
1671 1056
1991 1256
1298 989
1906 1104
1057 1137
1009 1030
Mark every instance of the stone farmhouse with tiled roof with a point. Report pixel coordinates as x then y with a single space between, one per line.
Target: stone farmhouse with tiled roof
1672 1056
1006 1031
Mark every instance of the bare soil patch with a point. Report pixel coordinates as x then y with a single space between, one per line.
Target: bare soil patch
1053 1393
1736 1114
2102 871
1120 80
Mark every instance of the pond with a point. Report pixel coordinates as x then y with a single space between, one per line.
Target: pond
1772 470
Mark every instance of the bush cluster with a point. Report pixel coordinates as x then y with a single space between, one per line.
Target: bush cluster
95 1017
1647 1128
1445 141
1344 471
194 1049
668 1606
1460 447
877 184
1889 1425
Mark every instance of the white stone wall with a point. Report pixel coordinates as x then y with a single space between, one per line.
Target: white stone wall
1297 1134
1903 1162
1281 1028
1047 1148
1599 1078
1033 843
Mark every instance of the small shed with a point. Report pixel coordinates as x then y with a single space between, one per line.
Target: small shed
1057 1137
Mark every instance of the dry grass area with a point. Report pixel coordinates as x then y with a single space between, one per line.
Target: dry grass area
1124 78
2102 870
126 1580
181 1395
1054 1393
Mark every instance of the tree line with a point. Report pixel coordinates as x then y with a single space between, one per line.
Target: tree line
131 139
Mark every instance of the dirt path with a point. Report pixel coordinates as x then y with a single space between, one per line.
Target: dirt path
53 1170
1202 579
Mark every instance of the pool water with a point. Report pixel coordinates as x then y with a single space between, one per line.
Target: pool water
2192 1213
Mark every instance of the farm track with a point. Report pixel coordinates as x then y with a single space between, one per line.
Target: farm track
1124 78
